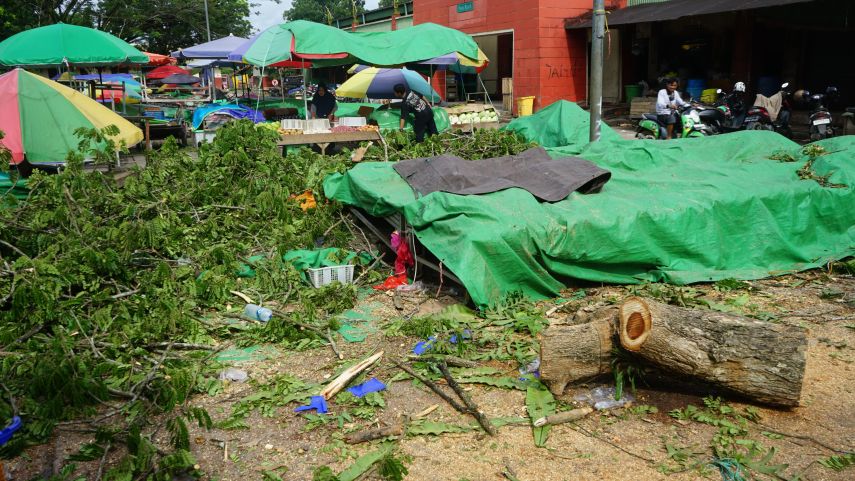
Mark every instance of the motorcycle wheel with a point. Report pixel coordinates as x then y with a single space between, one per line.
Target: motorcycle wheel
645 136
754 126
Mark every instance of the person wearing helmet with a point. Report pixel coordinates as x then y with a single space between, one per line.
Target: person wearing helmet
667 104
736 102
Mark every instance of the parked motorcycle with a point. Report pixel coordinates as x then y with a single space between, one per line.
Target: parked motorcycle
779 120
649 126
820 120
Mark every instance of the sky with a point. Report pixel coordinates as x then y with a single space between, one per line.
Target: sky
269 13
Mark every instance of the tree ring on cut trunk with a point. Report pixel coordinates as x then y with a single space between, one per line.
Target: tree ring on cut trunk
635 323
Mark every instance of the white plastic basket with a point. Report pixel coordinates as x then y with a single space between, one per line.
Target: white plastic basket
352 121
292 124
327 275
317 126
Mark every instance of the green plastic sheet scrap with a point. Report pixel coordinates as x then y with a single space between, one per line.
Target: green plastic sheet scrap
678 211
251 353
303 259
358 323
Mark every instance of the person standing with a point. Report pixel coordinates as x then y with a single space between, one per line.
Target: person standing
323 104
667 103
422 112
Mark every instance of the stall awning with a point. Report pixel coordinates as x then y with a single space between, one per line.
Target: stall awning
675 9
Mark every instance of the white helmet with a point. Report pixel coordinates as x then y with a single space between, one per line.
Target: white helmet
739 87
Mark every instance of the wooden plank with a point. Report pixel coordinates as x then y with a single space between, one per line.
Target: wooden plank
327 138
478 125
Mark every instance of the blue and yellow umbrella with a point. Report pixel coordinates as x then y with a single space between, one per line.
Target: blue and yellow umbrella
379 83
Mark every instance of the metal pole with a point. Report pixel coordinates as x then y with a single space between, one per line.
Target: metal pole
595 97
305 95
207 23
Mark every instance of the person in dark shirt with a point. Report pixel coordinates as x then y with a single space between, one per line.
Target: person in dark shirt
415 103
323 104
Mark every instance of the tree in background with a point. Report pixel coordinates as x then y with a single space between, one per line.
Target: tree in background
159 26
316 10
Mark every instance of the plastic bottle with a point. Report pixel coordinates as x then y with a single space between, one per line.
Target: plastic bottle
257 313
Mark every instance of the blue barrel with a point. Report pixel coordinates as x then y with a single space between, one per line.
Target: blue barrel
768 85
695 87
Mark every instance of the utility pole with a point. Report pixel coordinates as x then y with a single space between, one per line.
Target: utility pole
595 94
207 23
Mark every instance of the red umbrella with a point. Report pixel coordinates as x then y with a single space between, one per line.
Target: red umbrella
158 59
165 71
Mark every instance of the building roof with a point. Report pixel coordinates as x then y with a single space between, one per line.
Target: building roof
675 9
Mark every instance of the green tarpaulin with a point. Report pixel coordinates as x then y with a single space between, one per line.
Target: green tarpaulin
561 124
328 46
679 211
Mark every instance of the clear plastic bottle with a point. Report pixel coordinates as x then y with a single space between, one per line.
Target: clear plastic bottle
257 313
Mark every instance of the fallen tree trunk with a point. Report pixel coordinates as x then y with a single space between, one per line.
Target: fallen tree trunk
759 360
570 353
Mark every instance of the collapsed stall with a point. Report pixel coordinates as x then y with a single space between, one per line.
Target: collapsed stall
747 205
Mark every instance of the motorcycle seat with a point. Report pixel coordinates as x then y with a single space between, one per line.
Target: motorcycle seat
652 117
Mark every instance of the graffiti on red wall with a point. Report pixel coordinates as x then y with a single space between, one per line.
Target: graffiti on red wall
559 71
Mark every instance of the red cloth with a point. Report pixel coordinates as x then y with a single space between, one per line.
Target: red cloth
392 282
404 259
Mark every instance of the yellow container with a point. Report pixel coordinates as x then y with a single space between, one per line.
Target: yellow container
524 106
708 96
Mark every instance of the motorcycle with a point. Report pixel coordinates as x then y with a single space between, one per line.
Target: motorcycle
649 126
778 121
820 120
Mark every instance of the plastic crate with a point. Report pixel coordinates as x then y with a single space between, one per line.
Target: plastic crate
293 124
352 121
317 126
327 275
155 114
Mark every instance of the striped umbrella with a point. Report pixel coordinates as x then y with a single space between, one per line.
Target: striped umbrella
379 83
39 117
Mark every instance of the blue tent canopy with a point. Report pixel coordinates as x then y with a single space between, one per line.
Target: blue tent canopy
217 49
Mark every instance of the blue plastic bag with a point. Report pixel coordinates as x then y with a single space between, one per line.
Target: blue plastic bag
371 385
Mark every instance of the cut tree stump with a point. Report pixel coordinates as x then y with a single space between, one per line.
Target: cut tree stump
570 353
762 361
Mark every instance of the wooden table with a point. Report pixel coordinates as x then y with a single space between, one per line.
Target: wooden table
324 140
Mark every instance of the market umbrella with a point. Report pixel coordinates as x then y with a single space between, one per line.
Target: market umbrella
165 71
455 62
329 46
156 59
379 83
179 79
62 44
215 49
39 117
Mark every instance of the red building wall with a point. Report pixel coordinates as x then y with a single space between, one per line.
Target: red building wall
549 61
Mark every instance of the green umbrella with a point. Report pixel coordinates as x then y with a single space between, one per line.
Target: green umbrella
55 45
327 46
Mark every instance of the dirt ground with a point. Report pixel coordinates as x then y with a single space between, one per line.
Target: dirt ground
620 444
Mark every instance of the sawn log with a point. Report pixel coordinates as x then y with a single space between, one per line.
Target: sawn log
760 360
